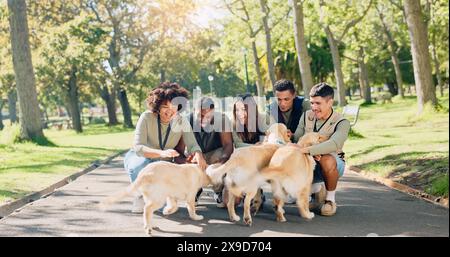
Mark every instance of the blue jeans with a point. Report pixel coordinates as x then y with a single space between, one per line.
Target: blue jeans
133 164
318 177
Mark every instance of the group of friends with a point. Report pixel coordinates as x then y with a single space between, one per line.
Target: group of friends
208 136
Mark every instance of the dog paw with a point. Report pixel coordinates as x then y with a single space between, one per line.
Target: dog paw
168 211
148 230
248 221
235 218
197 217
281 219
310 216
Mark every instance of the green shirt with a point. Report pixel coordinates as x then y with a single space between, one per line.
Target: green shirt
146 134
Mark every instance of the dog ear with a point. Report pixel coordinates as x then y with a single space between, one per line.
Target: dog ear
287 139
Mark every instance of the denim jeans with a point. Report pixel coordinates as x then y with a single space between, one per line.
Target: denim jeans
318 177
133 164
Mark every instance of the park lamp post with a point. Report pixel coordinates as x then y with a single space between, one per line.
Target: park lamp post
210 78
246 70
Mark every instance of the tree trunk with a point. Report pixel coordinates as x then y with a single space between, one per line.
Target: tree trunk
337 66
73 100
12 102
45 117
418 33
394 56
126 110
268 42
392 88
398 74
110 100
259 81
349 93
1 114
300 44
438 72
437 65
30 119
363 78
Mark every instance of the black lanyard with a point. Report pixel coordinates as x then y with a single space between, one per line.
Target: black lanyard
315 121
162 144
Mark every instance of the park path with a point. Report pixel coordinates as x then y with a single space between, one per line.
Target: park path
365 208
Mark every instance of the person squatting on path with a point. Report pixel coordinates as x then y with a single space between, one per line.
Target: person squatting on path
162 134
287 109
212 131
329 155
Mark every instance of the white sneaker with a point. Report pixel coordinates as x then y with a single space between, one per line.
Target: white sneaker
138 205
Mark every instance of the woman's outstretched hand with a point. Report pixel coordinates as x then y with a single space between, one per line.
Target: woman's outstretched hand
169 153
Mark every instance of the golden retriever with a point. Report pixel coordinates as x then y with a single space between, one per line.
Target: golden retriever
291 172
241 173
161 182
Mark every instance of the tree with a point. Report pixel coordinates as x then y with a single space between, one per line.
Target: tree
252 32
418 33
300 44
7 83
329 12
31 127
265 22
74 52
438 34
393 48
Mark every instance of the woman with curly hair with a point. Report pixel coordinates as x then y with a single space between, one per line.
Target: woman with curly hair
162 134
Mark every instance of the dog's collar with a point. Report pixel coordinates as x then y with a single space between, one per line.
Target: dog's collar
280 142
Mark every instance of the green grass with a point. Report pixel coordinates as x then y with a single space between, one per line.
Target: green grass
392 141
29 167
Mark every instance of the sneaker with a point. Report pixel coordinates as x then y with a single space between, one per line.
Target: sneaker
328 208
197 197
318 198
219 200
138 205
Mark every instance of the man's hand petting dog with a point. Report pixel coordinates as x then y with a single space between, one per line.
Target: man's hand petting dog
302 149
197 158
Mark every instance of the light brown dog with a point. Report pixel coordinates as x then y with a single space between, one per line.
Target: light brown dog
161 182
241 173
291 173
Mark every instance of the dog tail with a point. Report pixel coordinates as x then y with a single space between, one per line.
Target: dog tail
129 191
222 169
272 172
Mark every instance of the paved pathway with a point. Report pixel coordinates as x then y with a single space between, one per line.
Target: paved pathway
364 208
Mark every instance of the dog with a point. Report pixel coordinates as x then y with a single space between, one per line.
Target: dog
291 173
240 174
161 182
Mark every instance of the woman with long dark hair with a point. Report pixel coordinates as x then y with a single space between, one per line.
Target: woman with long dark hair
248 124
